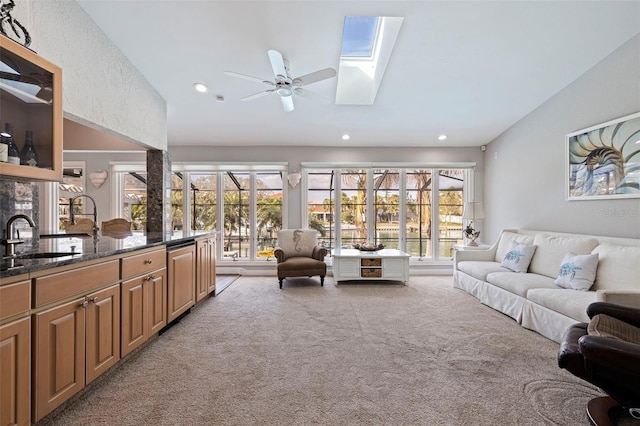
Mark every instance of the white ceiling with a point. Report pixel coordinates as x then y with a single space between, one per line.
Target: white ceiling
468 69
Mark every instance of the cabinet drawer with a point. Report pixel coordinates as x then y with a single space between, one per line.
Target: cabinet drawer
371 262
371 273
81 280
144 263
15 299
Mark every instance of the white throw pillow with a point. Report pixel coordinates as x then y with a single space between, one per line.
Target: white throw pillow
518 257
577 271
297 242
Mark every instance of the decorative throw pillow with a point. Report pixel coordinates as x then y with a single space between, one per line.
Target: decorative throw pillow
608 326
518 257
577 271
297 242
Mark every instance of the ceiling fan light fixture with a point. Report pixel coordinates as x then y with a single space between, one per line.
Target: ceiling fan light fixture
284 91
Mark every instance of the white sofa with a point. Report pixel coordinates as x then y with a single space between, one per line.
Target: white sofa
532 298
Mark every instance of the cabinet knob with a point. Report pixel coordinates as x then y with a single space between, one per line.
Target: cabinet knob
84 303
95 299
148 261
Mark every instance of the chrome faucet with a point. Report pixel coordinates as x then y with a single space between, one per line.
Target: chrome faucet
72 215
10 241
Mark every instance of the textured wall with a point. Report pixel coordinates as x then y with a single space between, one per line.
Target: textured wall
525 167
100 86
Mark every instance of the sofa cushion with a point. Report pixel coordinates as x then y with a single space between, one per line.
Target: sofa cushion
551 250
619 267
578 271
480 269
519 284
505 242
571 303
518 257
608 326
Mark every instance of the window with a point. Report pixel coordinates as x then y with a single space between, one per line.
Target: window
244 204
134 199
269 193
416 210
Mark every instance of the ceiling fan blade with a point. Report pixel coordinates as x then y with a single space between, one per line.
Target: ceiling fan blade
316 76
277 63
248 77
287 103
306 93
257 95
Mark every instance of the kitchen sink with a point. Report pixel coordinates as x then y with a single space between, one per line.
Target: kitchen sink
41 255
66 235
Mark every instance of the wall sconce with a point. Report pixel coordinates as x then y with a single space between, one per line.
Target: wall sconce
294 178
98 177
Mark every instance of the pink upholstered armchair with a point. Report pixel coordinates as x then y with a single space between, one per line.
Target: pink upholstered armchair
299 255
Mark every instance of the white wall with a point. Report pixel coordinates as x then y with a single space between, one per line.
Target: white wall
525 177
296 155
101 88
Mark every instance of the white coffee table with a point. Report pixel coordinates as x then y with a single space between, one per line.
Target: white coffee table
385 264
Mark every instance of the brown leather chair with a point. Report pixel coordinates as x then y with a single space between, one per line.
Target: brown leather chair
299 255
609 360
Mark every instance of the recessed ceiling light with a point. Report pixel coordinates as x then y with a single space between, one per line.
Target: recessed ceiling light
346 137
200 87
442 137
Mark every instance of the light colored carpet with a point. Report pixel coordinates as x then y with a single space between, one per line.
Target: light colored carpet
356 354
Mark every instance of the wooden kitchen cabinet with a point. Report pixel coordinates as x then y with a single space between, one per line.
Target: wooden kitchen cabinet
103 331
181 280
77 338
144 298
206 267
15 352
59 355
15 365
31 100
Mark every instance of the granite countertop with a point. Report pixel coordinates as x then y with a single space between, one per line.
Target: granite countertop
83 247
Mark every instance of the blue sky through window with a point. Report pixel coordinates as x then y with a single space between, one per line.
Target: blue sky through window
359 35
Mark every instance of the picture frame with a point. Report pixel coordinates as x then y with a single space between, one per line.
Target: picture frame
603 161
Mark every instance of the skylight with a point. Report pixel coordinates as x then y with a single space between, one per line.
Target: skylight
367 45
359 36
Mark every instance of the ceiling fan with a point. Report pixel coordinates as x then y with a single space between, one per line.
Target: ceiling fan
283 85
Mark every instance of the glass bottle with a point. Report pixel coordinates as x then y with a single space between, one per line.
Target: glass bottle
29 156
13 155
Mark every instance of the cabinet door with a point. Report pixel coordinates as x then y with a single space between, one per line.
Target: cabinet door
202 269
134 313
181 269
157 301
59 356
42 115
15 369
393 268
346 268
211 283
103 331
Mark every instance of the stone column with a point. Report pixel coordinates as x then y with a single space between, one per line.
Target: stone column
158 193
